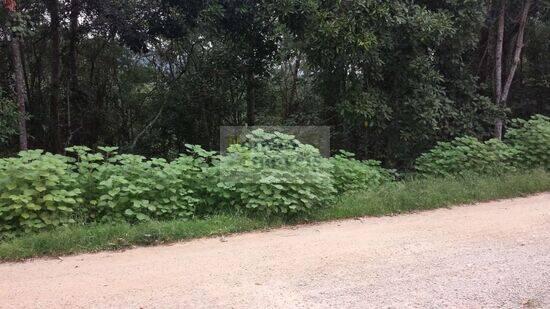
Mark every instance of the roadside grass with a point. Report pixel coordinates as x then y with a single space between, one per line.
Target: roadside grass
418 194
414 194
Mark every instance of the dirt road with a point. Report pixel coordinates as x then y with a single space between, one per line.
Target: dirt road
487 255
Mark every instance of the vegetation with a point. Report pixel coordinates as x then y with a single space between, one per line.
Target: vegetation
8 119
425 193
468 155
272 174
532 141
401 197
391 78
37 191
527 146
350 174
131 188
268 175
419 86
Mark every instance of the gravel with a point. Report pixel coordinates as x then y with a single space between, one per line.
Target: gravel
487 255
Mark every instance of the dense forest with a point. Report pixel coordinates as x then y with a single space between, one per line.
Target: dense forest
391 78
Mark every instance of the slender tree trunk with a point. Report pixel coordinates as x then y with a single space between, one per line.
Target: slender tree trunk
73 42
36 99
498 65
10 6
25 67
55 126
74 98
294 89
502 92
251 100
21 93
518 50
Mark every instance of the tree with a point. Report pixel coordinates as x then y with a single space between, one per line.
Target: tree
56 139
75 96
245 28
392 78
381 70
530 92
517 42
11 7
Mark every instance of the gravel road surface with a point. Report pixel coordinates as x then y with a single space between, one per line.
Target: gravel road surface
490 255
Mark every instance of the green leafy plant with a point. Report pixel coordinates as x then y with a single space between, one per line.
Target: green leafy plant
8 118
350 174
131 188
267 175
37 191
531 139
272 174
466 155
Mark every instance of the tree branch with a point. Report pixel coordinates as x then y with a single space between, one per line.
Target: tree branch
518 49
147 127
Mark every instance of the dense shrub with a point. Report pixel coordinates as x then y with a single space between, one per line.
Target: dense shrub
350 174
37 191
526 145
532 141
269 174
468 155
272 174
132 188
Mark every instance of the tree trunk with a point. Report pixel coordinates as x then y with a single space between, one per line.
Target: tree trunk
517 52
21 93
73 37
75 101
289 93
251 100
502 92
20 89
498 66
294 89
55 127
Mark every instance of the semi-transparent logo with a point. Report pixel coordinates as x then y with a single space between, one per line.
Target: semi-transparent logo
317 136
273 154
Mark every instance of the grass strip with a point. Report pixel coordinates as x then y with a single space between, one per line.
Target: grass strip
430 193
395 198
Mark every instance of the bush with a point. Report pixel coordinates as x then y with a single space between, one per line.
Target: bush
131 188
350 174
532 141
37 191
272 174
468 155
8 119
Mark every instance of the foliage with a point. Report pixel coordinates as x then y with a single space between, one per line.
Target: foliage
269 175
37 191
424 193
531 138
410 195
272 174
131 188
8 119
390 77
391 74
350 174
526 145
466 155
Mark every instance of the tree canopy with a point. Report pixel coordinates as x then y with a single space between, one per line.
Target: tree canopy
391 78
